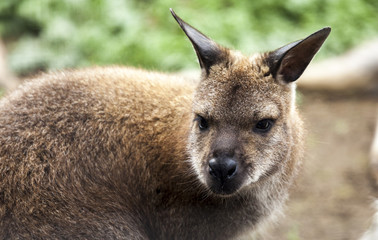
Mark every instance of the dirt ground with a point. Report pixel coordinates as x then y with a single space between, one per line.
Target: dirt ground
334 195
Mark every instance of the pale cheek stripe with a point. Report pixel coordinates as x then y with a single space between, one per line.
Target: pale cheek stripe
293 97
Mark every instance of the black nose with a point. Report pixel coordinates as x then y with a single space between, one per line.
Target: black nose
222 169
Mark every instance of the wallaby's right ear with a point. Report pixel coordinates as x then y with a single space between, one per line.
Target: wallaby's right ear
208 51
289 62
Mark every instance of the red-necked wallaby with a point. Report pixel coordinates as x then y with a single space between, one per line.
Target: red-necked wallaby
121 153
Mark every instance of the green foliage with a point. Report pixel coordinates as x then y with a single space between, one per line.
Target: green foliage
51 34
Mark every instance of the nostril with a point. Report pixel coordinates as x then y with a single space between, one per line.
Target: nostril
213 168
222 169
231 168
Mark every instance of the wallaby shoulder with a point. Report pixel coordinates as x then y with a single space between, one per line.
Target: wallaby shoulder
74 139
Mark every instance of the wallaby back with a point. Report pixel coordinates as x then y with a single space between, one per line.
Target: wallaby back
122 153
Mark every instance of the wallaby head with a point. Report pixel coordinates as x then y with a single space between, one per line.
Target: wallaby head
244 116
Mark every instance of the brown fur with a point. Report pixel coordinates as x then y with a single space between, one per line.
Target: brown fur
114 153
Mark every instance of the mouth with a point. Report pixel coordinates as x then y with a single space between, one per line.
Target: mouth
225 189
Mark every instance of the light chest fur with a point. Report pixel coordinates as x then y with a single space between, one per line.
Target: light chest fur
122 153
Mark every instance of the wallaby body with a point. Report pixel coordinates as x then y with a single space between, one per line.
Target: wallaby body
121 153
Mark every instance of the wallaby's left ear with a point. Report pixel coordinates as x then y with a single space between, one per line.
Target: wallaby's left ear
289 62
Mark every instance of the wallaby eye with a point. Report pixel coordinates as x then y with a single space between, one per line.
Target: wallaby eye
202 123
264 125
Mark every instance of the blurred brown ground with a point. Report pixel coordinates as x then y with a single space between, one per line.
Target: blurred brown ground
333 197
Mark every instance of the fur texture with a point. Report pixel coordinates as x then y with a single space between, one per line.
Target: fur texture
117 153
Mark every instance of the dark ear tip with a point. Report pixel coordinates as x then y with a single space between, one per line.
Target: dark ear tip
172 12
177 18
324 32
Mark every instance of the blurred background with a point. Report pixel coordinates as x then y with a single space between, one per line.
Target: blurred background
337 95
55 34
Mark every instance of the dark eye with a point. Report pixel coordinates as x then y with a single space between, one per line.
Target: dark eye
202 123
264 125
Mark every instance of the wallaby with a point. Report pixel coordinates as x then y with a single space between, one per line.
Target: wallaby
122 153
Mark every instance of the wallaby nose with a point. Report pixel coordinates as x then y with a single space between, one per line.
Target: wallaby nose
222 169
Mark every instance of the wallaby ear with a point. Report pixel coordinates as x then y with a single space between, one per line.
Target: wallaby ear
289 62
208 51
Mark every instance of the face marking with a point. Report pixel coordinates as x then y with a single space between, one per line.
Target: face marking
293 97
